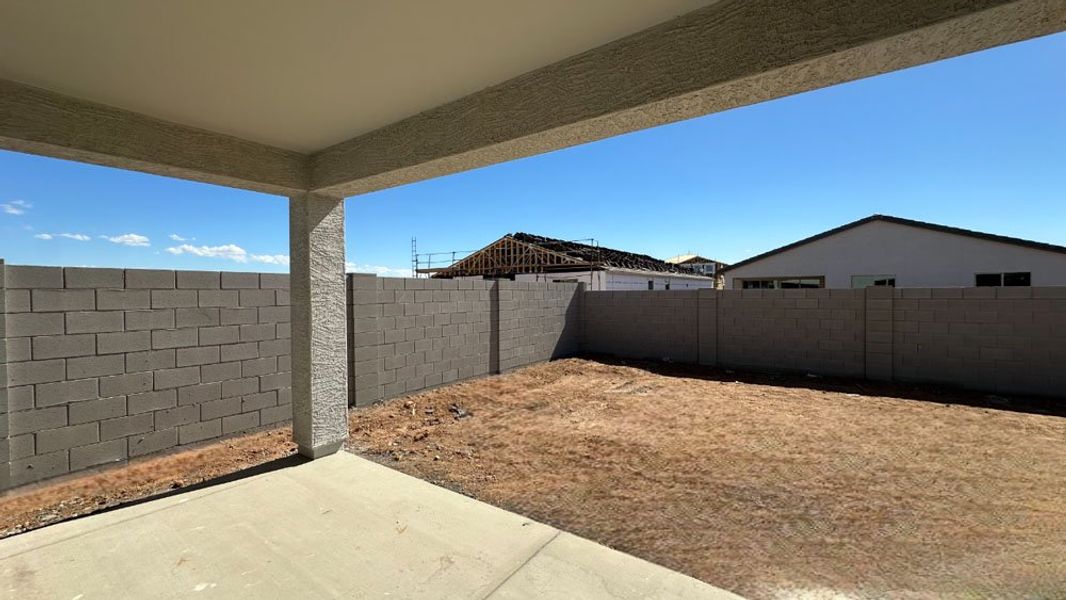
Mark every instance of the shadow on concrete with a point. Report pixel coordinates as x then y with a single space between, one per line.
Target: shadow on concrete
1039 405
267 467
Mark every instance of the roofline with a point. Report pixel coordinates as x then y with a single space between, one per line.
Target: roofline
699 276
988 237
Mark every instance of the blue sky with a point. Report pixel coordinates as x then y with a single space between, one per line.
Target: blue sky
977 142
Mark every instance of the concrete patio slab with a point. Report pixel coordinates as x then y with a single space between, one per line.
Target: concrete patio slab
338 527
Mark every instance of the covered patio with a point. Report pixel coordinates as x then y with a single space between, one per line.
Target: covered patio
341 527
323 101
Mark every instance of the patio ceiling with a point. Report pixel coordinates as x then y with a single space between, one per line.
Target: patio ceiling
304 75
348 97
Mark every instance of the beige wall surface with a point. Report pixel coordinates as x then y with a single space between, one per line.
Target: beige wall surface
917 257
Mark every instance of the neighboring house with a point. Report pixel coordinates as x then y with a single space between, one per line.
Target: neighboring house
526 257
890 251
706 266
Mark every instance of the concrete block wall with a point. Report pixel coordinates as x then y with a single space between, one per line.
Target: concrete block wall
1009 339
5 446
654 325
108 364
408 335
821 331
411 334
537 322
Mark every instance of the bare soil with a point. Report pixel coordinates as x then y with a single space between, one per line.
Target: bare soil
59 500
770 486
773 487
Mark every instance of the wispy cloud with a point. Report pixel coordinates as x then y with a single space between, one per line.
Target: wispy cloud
229 252
81 237
270 259
178 238
16 207
380 271
128 239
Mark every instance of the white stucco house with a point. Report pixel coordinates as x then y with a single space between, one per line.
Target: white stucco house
890 251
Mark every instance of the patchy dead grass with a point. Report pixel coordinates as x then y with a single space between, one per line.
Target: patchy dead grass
771 487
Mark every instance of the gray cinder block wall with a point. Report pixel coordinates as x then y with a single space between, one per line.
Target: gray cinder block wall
1010 340
820 331
408 335
108 364
101 365
537 322
5 448
655 325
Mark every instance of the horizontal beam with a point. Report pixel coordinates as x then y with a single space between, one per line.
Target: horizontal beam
730 54
42 122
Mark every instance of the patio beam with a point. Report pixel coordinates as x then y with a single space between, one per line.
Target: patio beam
41 122
319 324
733 53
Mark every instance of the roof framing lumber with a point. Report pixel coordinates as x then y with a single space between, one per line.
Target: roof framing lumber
41 122
730 54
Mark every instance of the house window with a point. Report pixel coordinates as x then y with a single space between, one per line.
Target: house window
859 282
1018 279
667 285
651 285
780 283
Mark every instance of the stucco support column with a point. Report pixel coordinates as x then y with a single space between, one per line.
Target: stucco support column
319 335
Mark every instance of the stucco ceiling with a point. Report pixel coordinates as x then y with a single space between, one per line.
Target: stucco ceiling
299 75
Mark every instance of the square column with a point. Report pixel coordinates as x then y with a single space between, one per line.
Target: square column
319 329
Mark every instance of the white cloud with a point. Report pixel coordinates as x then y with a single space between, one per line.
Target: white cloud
177 238
226 251
128 239
270 259
229 252
379 270
81 237
16 207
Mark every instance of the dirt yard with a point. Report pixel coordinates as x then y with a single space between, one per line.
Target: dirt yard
770 486
773 487
53 501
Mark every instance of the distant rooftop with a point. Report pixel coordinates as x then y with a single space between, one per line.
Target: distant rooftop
528 253
686 259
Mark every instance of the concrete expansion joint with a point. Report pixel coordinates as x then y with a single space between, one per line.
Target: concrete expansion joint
515 571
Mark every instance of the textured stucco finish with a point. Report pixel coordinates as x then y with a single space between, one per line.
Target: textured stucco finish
733 53
37 121
319 323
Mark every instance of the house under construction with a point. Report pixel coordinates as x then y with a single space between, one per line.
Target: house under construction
526 257
707 266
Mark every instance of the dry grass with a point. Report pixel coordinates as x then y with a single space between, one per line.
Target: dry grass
53 501
767 487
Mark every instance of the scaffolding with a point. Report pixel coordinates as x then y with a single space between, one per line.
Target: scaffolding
426 264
